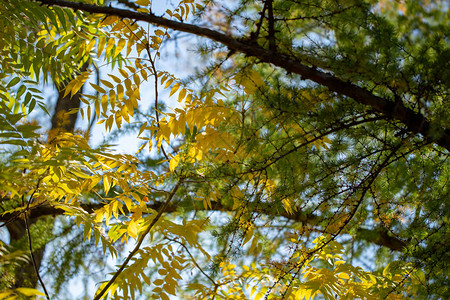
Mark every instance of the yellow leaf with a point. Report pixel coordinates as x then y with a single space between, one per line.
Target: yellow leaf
125 113
250 80
119 47
164 296
120 91
143 127
143 2
119 26
101 45
74 86
108 21
115 78
168 83
107 83
188 99
174 162
253 245
97 108
106 184
174 89
109 45
207 203
136 79
162 272
130 43
144 74
199 155
128 84
3 295
131 69
90 45
178 17
248 236
141 46
123 73
132 229
158 282
182 95
141 147
29 292
98 89
104 102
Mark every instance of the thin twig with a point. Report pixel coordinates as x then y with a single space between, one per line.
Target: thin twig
30 247
32 258
155 74
193 260
91 122
258 26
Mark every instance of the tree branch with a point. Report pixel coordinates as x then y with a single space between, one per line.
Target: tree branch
374 236
254 35
414 121
33 259
272 46
30 244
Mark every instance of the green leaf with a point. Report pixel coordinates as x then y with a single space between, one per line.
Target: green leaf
13 82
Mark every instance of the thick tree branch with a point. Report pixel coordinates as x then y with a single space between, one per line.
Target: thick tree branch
375 236
415 122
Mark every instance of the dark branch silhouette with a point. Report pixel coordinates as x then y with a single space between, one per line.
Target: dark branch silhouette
375 236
